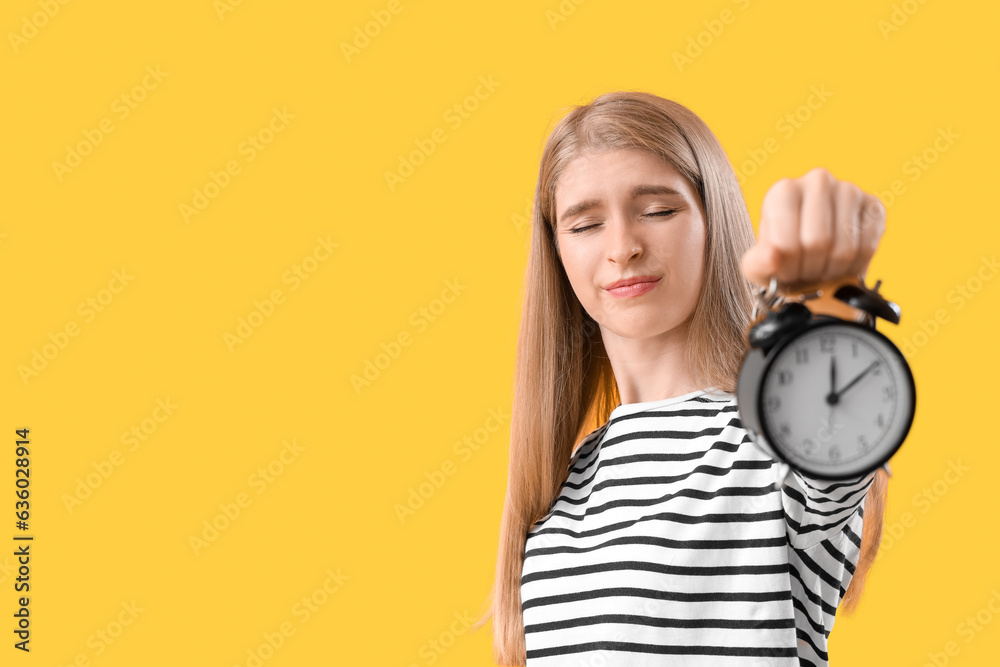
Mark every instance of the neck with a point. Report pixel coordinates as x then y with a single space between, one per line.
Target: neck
653 368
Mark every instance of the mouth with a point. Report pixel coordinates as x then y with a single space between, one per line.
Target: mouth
630 287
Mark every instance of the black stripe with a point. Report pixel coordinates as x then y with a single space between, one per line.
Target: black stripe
740 651
729 491
837 555
792 492
686 412
852 536
676 596
668 516
661 434
667 479
812 482
590 444
797 497
632 619
661 568
757 543
807 615
824 576
650 457
717 446
835 526
804 636
705 399
815 599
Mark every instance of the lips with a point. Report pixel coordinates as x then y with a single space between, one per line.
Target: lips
631 281
630 287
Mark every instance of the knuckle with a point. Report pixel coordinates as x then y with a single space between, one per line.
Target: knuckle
879 212
847 192
784 188
819 175
848 235
843 255
873 215
814 240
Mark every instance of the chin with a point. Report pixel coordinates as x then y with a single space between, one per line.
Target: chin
641 327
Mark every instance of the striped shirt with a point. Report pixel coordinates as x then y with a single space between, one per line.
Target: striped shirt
675 540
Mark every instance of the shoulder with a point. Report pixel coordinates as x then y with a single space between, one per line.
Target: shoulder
587 444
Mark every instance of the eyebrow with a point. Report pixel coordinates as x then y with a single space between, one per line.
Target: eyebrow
637 191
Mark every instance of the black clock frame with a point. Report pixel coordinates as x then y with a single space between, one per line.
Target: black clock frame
818 322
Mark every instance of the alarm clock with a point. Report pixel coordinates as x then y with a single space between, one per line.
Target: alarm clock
831 397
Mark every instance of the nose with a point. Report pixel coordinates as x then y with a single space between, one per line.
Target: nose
623 241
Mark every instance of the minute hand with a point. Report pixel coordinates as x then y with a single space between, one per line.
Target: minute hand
835 396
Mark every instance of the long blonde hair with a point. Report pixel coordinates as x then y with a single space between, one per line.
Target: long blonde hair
564 385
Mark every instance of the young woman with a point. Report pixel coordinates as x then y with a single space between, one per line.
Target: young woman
665 536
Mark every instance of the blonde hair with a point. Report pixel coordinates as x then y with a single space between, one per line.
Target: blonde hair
564 386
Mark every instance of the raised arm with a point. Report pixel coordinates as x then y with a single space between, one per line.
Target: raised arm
819 509
816 229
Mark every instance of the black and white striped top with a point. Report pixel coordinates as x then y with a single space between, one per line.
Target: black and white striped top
675 540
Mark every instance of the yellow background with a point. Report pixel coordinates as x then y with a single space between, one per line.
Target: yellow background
897 73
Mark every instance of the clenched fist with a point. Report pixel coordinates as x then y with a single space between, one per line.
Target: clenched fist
814 229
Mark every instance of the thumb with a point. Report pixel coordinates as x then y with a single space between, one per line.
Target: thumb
760 263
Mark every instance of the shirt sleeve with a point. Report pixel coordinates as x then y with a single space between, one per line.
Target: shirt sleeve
820 509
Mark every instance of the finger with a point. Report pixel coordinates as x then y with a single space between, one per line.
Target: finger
816 225
872 221
847 230
759 263
779 227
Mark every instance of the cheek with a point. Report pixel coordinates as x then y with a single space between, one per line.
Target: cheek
579 269
693 266
572 262
685 264
690 253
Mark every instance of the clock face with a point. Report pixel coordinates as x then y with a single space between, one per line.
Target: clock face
837 400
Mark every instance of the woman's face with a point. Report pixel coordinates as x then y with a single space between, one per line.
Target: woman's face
624 214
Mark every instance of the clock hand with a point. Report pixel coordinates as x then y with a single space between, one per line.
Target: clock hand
836 396
831 398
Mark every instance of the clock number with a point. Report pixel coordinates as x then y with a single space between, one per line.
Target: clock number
887 394
773 402
826 343
834 453
801 355
784 377
808 446
785 429
880 420
863 441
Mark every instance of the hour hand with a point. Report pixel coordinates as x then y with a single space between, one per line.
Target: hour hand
833 378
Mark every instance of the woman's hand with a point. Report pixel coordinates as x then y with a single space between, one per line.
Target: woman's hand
814 229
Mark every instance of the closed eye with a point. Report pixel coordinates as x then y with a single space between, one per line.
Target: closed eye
660 214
